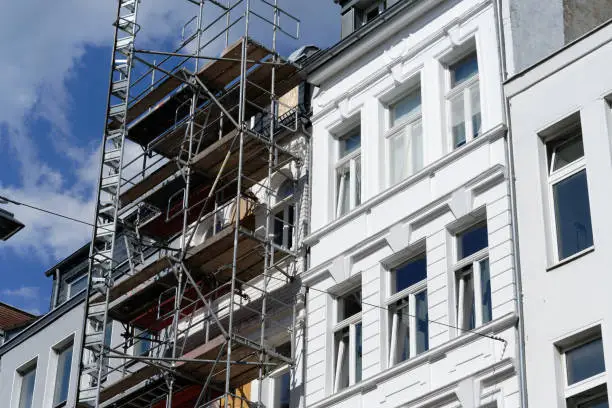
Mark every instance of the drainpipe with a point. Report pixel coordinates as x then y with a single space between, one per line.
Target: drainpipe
509 155
56 288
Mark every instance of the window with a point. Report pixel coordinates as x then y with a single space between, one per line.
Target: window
284 215
142 342
405 137
348 173
409 328
584 370
473 279
570 196
463 100
282 390
347 340
77 285
26 393
373 11
62 377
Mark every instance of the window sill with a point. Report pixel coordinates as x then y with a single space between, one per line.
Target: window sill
571 258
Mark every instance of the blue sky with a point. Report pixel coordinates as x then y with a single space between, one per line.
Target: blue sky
53 83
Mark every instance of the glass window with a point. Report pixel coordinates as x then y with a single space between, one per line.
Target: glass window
26 394
282 390
348 341
62 378
142 342
584 361
406 107
570 196
409 323
410 273
472 240
573 215
349 304
78 285
464 69
406 137
464 113
283 227
348 173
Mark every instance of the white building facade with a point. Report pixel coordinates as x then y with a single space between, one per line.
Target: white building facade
412 299
561 132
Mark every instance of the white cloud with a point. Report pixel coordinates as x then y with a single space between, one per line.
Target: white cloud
42 42
23 292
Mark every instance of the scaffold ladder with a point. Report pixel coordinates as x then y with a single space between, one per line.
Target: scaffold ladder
95 345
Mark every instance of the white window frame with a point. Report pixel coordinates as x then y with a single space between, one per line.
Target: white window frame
58 350
409 293
404 128
556 176
464 89
574 390
71 284
351 159
275 378
338 357
21 372
281 211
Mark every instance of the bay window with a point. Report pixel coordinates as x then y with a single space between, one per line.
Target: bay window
463 100
405 137
348 172
347 340
472 278
407 305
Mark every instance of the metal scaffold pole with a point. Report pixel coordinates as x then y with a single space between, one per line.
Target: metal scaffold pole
183 302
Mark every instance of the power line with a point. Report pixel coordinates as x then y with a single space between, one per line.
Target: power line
3 198
8 200
489 336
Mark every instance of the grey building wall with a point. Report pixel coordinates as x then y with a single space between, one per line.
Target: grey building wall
535 29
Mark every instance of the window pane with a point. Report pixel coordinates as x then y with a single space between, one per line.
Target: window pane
278 228
289 211
62 380
584 361
465 298
285 190
567 152
357 181
350 143
464 69
485 291
26 396
142 344
475 106
342 358
283 392
358 352
344 188
458 120
572 212
422 328
414 271
77 285
349 305
409 105
397 153
402 351
472 240
601 402
416 144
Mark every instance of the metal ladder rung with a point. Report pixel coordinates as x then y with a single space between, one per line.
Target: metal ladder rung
125 42
128 4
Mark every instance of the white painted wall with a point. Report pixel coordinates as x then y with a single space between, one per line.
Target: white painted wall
465 369
563 299
41 347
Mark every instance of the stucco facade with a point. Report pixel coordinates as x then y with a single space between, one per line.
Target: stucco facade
357 248
566 283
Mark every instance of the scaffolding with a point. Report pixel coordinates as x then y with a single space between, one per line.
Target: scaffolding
197 239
